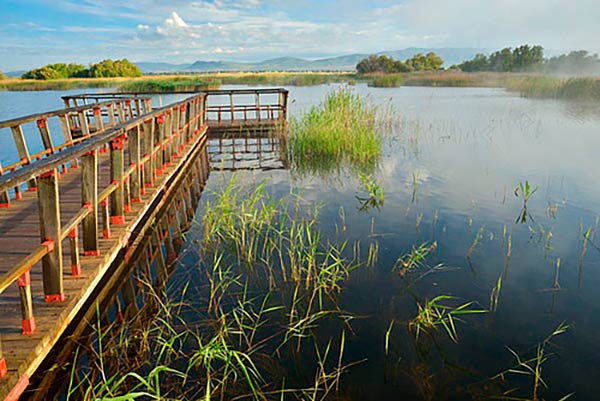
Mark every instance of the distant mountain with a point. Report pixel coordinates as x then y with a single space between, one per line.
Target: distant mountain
14 74
341 63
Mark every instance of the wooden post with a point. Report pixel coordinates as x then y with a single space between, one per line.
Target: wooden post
232 107
4 196
111 115
135 160
121 111
148 150
117 199
50 230
23 152
74 248
257 96
98 119
83 124
45 133
3 367
160 143
89 199
27 320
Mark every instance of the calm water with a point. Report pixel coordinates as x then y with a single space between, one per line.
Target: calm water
449 172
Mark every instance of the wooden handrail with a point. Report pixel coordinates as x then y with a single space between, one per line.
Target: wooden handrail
14 178
54 113
22 267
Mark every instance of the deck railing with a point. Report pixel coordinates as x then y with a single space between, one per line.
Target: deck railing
76 124
267 105
139 149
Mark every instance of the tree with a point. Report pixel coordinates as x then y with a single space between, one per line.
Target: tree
479 63
502 60
576 62
117 68
433 61
56 71
526 57
381 65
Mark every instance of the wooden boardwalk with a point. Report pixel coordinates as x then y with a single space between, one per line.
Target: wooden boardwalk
88 218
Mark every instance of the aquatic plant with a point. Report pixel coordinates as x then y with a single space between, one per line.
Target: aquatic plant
495 295
415 259
533 366
525 191
375 192
434 313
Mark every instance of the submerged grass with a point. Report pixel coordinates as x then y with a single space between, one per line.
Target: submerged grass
342 131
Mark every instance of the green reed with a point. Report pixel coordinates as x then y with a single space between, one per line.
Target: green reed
436 313
342 131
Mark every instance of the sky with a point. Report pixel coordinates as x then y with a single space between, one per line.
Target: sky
37 32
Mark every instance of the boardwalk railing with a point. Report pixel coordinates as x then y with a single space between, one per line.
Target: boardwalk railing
243 107
76 124
139 151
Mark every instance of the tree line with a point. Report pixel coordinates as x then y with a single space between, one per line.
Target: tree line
103 69
527 58
387 65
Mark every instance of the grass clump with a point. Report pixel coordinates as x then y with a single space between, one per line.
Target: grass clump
343 130
386 81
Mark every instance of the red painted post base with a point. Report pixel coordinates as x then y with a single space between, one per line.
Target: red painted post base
91 253
54 298
29 326
3 368
76 270
106 234
18 196
136 200
4 205
117 219
18 389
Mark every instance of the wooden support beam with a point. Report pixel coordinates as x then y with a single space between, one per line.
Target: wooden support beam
50 230
117 198
131 307
89 199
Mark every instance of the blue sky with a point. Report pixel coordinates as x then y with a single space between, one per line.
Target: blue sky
37 32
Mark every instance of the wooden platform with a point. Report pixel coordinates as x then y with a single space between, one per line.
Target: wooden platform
244 128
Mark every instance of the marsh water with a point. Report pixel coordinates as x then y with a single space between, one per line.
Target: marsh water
451 167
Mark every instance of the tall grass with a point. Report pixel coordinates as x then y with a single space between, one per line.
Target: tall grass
342 131
176 84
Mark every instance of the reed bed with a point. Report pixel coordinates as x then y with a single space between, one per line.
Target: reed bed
343 131
170 85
